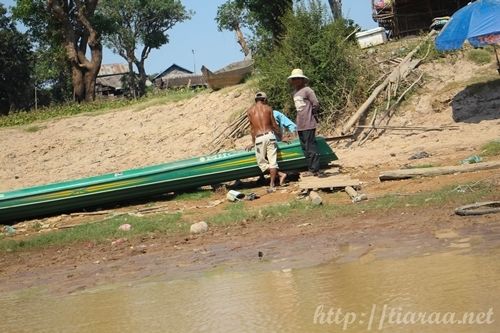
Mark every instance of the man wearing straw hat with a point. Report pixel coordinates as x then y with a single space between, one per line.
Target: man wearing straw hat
307 107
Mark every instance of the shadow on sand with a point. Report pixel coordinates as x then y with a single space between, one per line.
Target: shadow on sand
477 102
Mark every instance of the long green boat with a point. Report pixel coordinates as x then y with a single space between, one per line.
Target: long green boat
132 184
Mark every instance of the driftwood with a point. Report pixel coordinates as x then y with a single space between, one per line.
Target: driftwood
315 198
400 99
437 171
355 196
366 135
338 138
479 208
388 112
85 214
410 128
400 72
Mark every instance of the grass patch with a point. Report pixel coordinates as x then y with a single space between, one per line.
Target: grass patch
99 232
299 211
234 213
479 56
194 195
422 166
303 210
492 148
35 128
97 107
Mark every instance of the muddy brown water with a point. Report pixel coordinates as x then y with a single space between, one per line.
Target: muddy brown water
365 295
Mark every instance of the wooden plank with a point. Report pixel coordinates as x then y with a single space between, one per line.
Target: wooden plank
351 191
437 171
328 182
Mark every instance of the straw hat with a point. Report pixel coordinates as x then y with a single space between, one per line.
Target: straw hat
260 96
298 74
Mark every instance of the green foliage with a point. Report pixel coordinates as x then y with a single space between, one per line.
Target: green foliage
52 74
316 44
491 148
63 31
479 56
15 65
140 24
268 15
231 15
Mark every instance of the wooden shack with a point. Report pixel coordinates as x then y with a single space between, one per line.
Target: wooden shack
176 76
109 81
408 17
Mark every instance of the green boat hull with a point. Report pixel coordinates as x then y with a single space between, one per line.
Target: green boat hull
145 182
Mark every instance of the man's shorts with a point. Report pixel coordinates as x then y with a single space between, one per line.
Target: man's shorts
266 151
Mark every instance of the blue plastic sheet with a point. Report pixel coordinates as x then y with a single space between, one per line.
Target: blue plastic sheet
478 22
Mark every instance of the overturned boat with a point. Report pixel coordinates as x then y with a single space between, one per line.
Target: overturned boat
145 182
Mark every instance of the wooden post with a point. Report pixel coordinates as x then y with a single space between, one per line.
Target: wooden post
355 196
315 198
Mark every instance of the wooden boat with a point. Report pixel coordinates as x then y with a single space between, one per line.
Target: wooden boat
230 75
144 182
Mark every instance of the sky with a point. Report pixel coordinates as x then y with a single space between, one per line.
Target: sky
212 48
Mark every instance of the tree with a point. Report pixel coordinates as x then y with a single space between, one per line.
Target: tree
317 44
71 25
140 23
232 16
269 14
336 8
15 65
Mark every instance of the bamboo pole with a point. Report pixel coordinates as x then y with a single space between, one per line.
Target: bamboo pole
408 128
437 171
391 78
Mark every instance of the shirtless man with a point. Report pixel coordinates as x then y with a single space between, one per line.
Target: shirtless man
263 127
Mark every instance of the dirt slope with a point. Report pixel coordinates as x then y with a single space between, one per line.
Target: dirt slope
454 93
461 94
94 144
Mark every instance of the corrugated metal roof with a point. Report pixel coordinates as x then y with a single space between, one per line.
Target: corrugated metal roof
113 69
114 81
192 80
173 67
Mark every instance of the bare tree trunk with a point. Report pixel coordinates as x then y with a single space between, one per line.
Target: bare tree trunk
77 81
89 82
241 40
143 77
336 7
140 64
83 78
131 82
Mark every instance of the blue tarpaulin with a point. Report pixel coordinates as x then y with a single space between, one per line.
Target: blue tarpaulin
478 22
